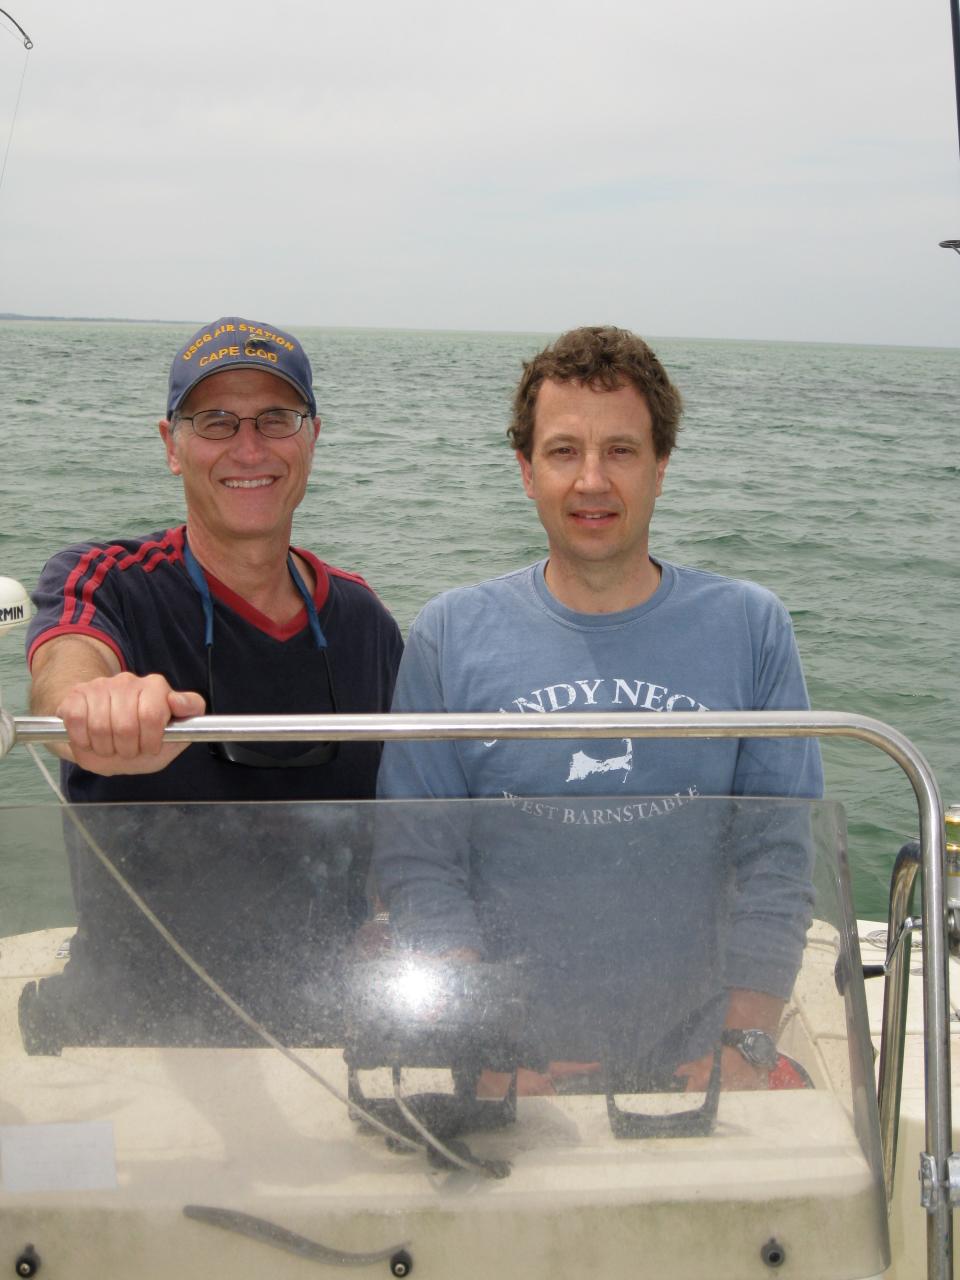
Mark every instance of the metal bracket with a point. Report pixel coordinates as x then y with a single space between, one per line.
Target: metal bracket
8 731
953 928
931 1189
929 1183
911 924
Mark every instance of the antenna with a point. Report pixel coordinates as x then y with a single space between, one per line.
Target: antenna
955 26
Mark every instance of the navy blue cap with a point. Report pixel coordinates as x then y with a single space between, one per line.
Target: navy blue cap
230 343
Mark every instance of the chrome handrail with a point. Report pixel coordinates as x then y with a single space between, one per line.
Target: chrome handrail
677 724
894 1023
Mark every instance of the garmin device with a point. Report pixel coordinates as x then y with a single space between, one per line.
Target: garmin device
756 1046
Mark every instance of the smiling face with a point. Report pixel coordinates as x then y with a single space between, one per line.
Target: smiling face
595 478
246 487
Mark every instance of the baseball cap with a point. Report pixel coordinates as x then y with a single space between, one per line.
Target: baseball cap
230 343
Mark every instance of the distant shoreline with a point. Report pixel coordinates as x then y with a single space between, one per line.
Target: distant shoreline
16 315
365 328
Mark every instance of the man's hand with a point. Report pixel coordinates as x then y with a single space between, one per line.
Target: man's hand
744 1009
114 720
115 723
533 1084
735 1072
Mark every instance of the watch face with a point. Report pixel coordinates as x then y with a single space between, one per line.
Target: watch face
757 1047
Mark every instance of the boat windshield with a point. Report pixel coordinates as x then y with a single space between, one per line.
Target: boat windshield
450 1034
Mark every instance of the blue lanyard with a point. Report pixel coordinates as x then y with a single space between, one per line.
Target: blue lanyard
200 582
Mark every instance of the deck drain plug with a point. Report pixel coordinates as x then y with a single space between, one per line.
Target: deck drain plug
773 1253
28 1263
401 1264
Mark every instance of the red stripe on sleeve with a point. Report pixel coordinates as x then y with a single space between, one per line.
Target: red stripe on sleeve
76 631
70 587
148 557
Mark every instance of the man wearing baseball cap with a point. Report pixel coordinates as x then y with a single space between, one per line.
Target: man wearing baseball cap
219 614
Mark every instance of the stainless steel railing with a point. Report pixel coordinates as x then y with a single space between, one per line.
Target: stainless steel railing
936 1161
893 1027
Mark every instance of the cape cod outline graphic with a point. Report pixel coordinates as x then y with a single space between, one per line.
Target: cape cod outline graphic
630 693
582 765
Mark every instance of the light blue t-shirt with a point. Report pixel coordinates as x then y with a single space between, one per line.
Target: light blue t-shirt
700 642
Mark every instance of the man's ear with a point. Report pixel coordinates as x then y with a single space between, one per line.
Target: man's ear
167 432
661 472
526 472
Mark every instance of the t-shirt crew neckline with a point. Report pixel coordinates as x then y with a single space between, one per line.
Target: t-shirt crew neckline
600 621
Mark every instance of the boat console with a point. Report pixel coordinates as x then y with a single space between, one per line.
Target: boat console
219 1054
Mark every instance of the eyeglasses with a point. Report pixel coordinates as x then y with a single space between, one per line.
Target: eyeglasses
239 753
218 424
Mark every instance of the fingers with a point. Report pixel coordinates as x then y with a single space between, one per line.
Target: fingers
115 724
183 704
696 1074
530 1084
736 1073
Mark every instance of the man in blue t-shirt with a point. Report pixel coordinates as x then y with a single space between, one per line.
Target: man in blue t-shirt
218 613
601 624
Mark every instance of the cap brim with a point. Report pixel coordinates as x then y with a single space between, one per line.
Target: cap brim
274 373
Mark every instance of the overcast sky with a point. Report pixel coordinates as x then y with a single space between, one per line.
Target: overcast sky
694 168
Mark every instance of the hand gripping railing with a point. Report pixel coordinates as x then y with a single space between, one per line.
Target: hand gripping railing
937 1163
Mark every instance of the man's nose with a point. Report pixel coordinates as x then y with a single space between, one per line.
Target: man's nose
592 475
247 438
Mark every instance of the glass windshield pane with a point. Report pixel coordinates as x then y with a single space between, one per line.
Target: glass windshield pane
367 1027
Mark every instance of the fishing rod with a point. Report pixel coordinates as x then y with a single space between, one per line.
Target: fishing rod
955 25
28 45
27 42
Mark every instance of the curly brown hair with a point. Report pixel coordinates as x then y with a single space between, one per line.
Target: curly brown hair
605 358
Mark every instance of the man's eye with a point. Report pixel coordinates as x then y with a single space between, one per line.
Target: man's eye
215 424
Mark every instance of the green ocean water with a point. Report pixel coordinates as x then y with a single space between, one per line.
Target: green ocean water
828 473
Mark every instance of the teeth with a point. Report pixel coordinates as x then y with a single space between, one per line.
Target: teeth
249 484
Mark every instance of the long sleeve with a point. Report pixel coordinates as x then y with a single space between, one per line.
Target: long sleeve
422 852
773 845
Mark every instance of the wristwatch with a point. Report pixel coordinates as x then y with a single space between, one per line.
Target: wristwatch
756 1046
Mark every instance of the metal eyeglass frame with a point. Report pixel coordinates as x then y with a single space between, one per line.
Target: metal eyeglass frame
225 413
